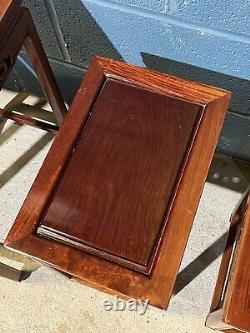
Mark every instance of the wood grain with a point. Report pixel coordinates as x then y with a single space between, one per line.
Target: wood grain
116 191
7 5
23 120
237 302
97 271
232 292
10 10
16 30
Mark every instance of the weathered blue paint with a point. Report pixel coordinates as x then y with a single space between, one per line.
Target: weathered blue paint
133 30
206 41
159 6
226 15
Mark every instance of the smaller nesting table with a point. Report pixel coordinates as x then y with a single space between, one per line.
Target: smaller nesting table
230 310
17 30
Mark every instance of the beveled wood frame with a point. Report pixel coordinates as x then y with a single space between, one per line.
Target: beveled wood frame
100 273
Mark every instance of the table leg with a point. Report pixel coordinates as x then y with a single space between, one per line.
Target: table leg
9 272
43 70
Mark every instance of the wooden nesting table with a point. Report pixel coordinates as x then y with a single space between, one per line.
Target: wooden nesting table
16 30
114 201
230 310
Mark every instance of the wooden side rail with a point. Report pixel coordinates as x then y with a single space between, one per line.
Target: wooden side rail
17 30
230 310
21 119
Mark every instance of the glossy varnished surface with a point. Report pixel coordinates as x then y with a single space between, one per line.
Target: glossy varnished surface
115 193
16 30
7 5
10 10
96 271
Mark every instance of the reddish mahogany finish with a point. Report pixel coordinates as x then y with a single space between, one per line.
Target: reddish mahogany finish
118 186
23 120
231 302
114 201
17 29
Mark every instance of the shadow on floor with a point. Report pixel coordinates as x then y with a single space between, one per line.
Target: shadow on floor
17 105
197 266
24 159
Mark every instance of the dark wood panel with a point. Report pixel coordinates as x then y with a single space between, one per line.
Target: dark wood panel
96 271
6 5
9 9
116 191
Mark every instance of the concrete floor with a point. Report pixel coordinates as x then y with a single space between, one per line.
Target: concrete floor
49 302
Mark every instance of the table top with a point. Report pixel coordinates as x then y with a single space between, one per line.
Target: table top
7 6
117 189
114 201
9 13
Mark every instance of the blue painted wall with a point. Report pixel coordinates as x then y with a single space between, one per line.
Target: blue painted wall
207 41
